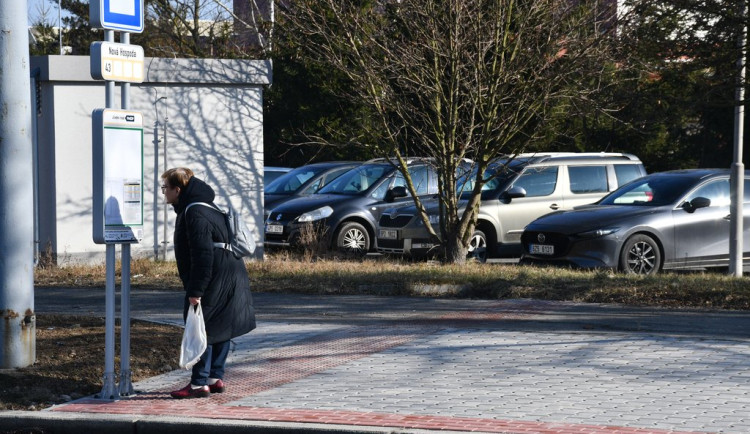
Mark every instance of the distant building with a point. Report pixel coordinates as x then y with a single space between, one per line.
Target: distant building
46 36
253 23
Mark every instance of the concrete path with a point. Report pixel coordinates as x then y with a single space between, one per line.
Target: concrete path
393 364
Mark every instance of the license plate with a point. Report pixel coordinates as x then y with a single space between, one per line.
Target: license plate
542 249
422 245
388 234
274 229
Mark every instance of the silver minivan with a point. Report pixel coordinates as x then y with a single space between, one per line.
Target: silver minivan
523 187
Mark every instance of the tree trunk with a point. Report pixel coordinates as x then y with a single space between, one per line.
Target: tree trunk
455 252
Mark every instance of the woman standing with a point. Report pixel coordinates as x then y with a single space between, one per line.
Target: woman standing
211 276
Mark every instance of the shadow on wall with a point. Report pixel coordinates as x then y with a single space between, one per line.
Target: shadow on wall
220 128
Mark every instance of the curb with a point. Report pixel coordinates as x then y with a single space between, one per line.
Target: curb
45 422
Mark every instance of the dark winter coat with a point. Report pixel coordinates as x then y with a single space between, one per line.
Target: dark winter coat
209 272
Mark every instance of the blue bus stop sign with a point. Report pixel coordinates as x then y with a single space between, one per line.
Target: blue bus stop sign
122 15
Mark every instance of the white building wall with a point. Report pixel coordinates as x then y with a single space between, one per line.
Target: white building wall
213 114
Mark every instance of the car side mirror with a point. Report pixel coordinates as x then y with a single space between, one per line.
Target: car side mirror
513 193
698 202
395 193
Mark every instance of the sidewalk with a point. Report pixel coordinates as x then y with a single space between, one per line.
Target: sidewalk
380 364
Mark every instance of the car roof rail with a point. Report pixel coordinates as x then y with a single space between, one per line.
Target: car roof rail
393 160
568 156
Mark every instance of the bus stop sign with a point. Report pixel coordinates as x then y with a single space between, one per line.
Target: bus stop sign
118 176
121 15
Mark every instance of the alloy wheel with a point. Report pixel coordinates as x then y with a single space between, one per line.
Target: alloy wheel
478 247
642 258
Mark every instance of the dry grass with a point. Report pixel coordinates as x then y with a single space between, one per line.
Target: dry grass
314 240
70 360
286 272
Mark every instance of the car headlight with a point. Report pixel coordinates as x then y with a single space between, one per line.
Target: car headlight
598 232
433 219
318 214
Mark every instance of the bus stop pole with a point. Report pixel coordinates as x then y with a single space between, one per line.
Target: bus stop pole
126 385
109 391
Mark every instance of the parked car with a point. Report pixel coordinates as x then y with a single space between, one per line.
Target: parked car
302 181
270 173
521 188
669 220
345 207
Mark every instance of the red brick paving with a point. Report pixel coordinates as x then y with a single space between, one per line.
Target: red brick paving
294 362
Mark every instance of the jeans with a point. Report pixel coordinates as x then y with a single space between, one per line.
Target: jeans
211 364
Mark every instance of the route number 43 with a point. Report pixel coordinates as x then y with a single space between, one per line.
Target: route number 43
108 66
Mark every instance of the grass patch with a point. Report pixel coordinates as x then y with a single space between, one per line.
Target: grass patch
383 276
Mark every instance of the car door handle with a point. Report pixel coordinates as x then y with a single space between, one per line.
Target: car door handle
555 206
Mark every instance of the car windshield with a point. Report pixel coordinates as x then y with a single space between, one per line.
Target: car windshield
650 191
270 175
292 181
502 171
357 180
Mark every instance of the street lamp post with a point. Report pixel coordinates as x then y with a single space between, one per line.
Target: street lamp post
736 247
59 24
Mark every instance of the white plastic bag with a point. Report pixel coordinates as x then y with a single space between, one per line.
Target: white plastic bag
194 340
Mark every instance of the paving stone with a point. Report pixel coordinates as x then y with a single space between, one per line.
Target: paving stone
435 374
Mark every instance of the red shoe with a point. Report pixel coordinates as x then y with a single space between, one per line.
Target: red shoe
217 387
189 392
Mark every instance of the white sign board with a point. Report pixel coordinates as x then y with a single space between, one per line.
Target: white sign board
117 62
122 15
118 176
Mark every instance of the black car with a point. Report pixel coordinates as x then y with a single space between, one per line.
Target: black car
302 181
346 210
271 173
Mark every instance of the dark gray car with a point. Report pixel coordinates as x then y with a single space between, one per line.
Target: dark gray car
302 181
347 209
668 220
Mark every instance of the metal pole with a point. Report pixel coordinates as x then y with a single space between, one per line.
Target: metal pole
125 87
126 384
157 181
109 36
35 164
59 24
109 391
126 387
157 185
18 325
736 248
164 235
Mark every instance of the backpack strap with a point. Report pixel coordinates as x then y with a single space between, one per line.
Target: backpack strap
225 246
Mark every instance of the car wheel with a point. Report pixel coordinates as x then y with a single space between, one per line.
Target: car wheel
477 246
640 255
353 238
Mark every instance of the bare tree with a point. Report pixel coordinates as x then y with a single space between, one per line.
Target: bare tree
209 28
453 79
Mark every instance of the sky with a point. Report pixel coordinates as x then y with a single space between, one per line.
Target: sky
34 6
